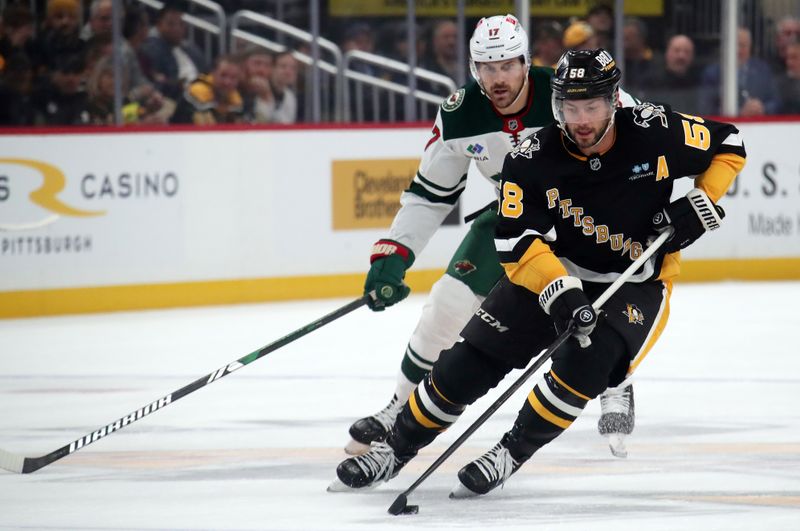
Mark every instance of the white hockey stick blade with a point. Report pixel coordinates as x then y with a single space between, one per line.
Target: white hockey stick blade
11 462
11 227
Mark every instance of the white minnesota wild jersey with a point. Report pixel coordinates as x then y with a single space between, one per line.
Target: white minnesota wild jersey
467 128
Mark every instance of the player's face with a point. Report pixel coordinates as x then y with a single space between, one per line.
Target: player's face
502 80
587 120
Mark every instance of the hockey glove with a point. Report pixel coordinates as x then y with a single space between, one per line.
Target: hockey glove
691 216
389 260
564 300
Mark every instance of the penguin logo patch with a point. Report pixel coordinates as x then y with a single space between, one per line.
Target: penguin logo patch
634 314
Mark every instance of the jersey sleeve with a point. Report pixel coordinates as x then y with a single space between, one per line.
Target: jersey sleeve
439 182
711 151
524 230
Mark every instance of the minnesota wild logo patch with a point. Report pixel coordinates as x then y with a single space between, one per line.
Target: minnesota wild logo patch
453 101
464 267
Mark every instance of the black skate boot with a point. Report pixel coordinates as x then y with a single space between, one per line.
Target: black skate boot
617 418
378 465
488 471
373 428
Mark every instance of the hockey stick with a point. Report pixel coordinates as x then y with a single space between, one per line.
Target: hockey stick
10 227
25 465
400 504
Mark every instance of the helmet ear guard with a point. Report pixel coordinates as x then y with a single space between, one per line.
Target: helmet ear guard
498 38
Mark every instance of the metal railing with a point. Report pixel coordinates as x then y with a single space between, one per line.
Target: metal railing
216 28
381 103
330 83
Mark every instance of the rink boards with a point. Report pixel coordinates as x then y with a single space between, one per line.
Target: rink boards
99 220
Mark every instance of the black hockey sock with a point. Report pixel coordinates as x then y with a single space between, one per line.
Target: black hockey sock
423 418
551 408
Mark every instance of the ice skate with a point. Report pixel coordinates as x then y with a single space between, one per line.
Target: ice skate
617 418
378 465
373 428
485 473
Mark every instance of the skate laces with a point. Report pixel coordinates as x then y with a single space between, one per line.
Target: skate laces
496 464
379 463
387 415
614 401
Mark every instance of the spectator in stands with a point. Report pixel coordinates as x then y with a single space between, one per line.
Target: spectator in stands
16 33
60 34
62 100
787 31
678 84
135 27
173 62
149 106
579 36
257 99
284 83
99 28
214 98
789 81
547 46
757 92
16 88
641 62
442 56
601 19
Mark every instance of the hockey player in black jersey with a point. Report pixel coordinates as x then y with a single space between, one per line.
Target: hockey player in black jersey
580 200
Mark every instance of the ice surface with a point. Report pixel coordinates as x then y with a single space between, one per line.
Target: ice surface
716 445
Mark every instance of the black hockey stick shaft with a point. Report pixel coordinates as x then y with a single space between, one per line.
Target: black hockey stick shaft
401 502
25 465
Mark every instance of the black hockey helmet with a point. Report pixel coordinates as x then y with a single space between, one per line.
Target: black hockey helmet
583 74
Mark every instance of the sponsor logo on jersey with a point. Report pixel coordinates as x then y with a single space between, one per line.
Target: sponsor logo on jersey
634 314
453 101
527 147
641 171
476 151
644 113
594 163
491 321
464 267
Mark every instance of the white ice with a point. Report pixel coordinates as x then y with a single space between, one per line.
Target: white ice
716 446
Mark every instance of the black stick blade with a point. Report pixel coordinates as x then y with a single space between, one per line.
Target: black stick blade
400 506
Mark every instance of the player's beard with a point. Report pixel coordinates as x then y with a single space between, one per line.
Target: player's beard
587 141
507 97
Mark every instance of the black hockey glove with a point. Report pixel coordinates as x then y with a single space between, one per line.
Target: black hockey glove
389 260
564 300
691 216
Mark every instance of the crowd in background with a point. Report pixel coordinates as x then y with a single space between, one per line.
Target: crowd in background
59 71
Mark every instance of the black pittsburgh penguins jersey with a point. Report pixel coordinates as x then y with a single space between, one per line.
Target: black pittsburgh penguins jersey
565 213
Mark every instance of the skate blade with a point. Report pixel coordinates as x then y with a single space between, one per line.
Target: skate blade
616 443
337 486
356 448
460 492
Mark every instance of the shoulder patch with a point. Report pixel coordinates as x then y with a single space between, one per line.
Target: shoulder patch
453 101
526 147
646 112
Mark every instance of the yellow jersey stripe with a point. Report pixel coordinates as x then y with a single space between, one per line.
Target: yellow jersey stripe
568 388
419 415
543 412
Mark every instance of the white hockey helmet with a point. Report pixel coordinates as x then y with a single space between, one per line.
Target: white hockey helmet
498 38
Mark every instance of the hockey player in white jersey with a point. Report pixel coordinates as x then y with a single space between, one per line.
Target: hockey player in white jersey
480 123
